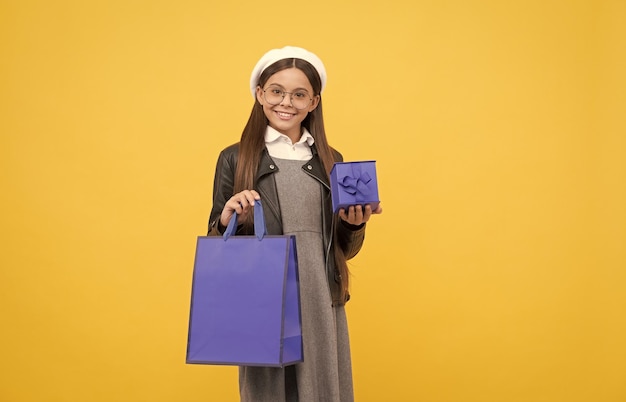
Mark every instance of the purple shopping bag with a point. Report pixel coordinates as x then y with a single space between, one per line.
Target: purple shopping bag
245 299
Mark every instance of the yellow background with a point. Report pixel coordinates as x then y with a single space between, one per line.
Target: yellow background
496 272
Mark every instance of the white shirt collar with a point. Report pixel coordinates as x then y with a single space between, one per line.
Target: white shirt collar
280 146
272 135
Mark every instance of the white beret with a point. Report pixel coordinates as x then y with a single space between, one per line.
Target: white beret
287 52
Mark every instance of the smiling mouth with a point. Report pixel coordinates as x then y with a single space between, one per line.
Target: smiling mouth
284 115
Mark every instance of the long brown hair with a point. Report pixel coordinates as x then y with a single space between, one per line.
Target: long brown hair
252 144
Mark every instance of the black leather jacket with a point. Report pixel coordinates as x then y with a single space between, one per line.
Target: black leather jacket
350 237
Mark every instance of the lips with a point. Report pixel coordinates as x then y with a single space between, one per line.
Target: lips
284 115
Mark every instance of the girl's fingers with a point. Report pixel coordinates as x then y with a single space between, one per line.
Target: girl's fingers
247 197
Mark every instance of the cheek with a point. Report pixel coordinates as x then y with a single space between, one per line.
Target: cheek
267 111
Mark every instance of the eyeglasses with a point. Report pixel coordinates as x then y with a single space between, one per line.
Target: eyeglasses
275 95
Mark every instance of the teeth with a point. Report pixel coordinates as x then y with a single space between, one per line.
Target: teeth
284 114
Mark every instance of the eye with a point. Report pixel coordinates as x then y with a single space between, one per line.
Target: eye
301 95
276 91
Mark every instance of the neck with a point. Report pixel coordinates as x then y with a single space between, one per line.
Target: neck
294 135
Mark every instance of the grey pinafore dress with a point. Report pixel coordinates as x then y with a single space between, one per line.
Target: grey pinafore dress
326 373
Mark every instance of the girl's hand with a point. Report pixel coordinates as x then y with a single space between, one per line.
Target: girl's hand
357 215
240 204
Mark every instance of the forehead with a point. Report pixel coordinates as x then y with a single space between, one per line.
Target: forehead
290 78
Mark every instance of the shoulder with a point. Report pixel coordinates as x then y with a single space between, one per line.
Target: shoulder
230 150
227 158
337 156
230 153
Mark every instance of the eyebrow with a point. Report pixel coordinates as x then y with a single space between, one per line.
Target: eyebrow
296 89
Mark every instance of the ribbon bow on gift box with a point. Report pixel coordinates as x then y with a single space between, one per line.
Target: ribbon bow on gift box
356 184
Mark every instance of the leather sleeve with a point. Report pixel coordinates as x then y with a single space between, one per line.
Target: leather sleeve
350 238
223 187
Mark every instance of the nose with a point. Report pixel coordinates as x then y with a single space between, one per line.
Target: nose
285 101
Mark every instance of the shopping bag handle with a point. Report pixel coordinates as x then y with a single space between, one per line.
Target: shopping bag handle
259 223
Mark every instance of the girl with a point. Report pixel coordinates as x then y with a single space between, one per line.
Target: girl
283 158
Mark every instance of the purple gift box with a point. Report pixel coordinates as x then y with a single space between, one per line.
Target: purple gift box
354 183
